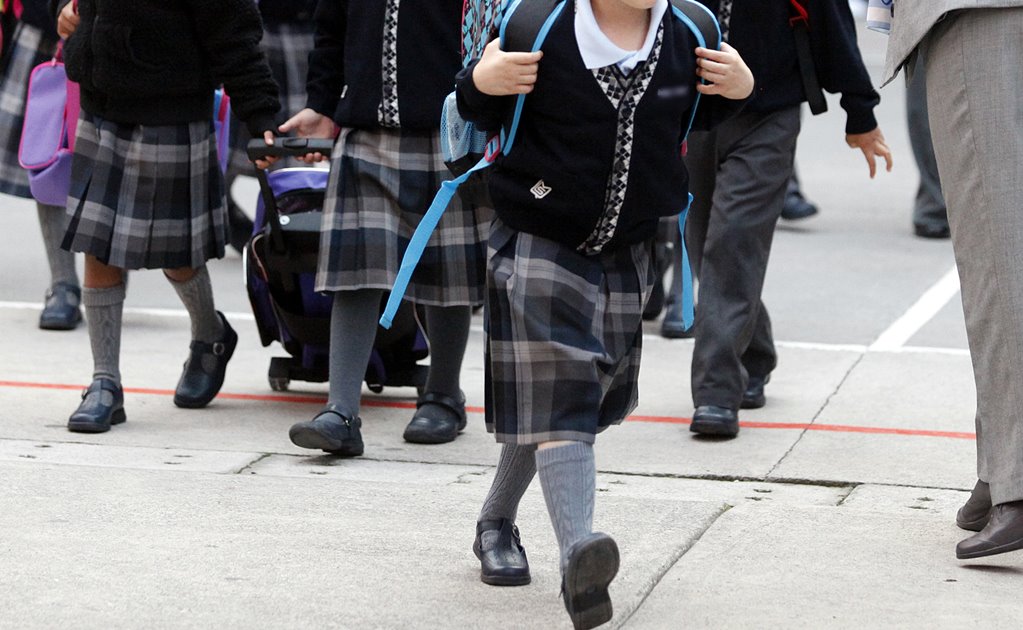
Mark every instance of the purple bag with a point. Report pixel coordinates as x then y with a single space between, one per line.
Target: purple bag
48 134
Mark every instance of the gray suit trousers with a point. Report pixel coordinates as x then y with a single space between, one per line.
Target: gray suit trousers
975 98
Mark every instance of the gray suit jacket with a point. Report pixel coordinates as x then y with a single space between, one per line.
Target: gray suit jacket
915 18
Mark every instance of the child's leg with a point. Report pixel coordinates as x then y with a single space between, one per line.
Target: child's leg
64 294
568 476
353 324
497 545
213 339
441 412
515 471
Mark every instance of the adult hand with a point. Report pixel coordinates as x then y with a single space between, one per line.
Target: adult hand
873 146
265 163
310 124
67 21
500 73
726 73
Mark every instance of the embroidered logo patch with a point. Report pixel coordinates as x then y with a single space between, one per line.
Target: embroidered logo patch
540 190
673 91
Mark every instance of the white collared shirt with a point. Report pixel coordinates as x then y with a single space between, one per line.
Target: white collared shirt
599 51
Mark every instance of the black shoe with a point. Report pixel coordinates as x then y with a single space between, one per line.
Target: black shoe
1003 533
711 420
240 226
502 557
329 431
204 370
62 310
591 565
976 512
753 397
102 406
672 326
424 429
796 207
932 231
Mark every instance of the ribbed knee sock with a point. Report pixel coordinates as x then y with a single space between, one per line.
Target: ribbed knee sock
53 222
568 476
197 296
515 470
448 330
353 328
103 308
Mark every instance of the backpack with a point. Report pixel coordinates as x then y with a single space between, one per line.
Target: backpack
524 25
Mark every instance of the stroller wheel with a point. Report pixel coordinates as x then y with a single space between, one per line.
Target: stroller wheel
279 383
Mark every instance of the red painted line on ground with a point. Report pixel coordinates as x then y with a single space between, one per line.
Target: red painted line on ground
316 399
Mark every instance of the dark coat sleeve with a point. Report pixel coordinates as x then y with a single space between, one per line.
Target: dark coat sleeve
326 76
840 66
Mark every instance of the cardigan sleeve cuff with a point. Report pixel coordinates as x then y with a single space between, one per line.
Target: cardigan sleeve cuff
258 123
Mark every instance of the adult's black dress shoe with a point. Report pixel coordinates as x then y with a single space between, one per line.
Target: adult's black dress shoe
591 565
436 426
329 431
672 326
797 207
62 310
502 557
932 231
102 406
753 397
1003 532
204 370
712 420
976 512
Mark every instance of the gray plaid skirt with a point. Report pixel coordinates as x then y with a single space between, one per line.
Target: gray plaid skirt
381 183
29 48
564 337
146 197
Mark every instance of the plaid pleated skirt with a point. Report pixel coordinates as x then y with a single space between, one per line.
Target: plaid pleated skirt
28 48
564 337
381 183
146 197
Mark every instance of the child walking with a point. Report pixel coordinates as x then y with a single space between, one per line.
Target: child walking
34 41
380 71
569 267
146 189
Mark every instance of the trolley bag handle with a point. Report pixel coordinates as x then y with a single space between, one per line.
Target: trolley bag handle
800 23
282 147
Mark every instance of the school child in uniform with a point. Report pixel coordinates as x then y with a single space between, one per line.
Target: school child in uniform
380 71
595 165
146 189
34 41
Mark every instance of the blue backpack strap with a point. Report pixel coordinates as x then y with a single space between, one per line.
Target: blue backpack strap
704 27
524 28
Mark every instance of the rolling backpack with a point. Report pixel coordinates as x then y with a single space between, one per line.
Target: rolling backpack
523 27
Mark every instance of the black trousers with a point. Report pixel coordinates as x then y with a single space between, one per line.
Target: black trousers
738 175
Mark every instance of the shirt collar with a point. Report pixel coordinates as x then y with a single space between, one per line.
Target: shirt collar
598 51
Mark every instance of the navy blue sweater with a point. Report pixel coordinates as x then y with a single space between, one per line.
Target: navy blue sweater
346 70
568 137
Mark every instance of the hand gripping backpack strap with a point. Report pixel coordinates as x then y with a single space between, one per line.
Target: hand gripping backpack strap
524 28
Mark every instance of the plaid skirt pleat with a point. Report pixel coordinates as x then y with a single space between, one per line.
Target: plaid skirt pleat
29 48
564 337
381 183
287 48
146 197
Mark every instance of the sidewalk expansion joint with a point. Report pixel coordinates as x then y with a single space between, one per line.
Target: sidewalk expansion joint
248 466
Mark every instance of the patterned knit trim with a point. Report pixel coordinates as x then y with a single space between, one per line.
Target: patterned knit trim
387 114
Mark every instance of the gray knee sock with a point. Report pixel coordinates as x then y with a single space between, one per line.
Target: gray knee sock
353 328
197 296
448 330
515 470
103 309
52 222
568 476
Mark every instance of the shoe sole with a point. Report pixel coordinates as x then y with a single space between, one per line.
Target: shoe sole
594 564
501 580
1015 545
714 427
312 439
118 417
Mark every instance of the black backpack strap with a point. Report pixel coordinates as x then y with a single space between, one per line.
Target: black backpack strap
700 21
807 69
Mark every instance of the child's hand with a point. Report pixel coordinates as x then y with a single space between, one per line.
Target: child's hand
310 124
265 163
873 146
67 21
500 73
725 72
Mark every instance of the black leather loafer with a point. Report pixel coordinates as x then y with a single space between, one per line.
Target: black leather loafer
102 406
591 565
672 326
976 512
204 370
501 554
932 231
711 420
62 310
329 431
1003 533
754 397
425 429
